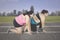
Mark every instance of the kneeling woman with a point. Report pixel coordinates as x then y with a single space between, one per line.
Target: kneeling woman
20 22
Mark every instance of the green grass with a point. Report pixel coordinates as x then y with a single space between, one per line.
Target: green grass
53 19
10 19
6 18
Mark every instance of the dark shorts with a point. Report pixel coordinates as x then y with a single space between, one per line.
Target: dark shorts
16 24
33 27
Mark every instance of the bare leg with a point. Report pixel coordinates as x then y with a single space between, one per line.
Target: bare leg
17 30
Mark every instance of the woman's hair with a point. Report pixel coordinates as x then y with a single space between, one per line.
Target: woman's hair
44 11
27 13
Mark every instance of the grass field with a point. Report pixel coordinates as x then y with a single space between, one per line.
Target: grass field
10 19
53 19
6 18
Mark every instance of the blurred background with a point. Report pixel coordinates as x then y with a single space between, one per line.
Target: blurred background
11 8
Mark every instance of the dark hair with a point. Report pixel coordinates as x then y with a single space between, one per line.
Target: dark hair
44 11
24 14
27 13
30 12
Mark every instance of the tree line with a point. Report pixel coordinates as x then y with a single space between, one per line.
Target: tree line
15 13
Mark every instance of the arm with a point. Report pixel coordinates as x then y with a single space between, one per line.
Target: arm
28 26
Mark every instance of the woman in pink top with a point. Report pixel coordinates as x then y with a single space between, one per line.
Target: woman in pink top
21 21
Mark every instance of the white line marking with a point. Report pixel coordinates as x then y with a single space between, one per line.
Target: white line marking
32 32
3 32
48 32
52 26
6 26
45 26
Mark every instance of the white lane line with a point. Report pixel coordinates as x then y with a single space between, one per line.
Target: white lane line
48 32
53 32
3 32
45 26
6 26
52 26
6 32
33 32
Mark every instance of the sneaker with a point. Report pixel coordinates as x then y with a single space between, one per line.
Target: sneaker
8 31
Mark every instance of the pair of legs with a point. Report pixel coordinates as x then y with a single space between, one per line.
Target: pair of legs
17 30
20 30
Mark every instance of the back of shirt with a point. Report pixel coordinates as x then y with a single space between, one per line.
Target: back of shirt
20 19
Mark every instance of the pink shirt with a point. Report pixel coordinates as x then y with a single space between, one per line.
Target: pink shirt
20 19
